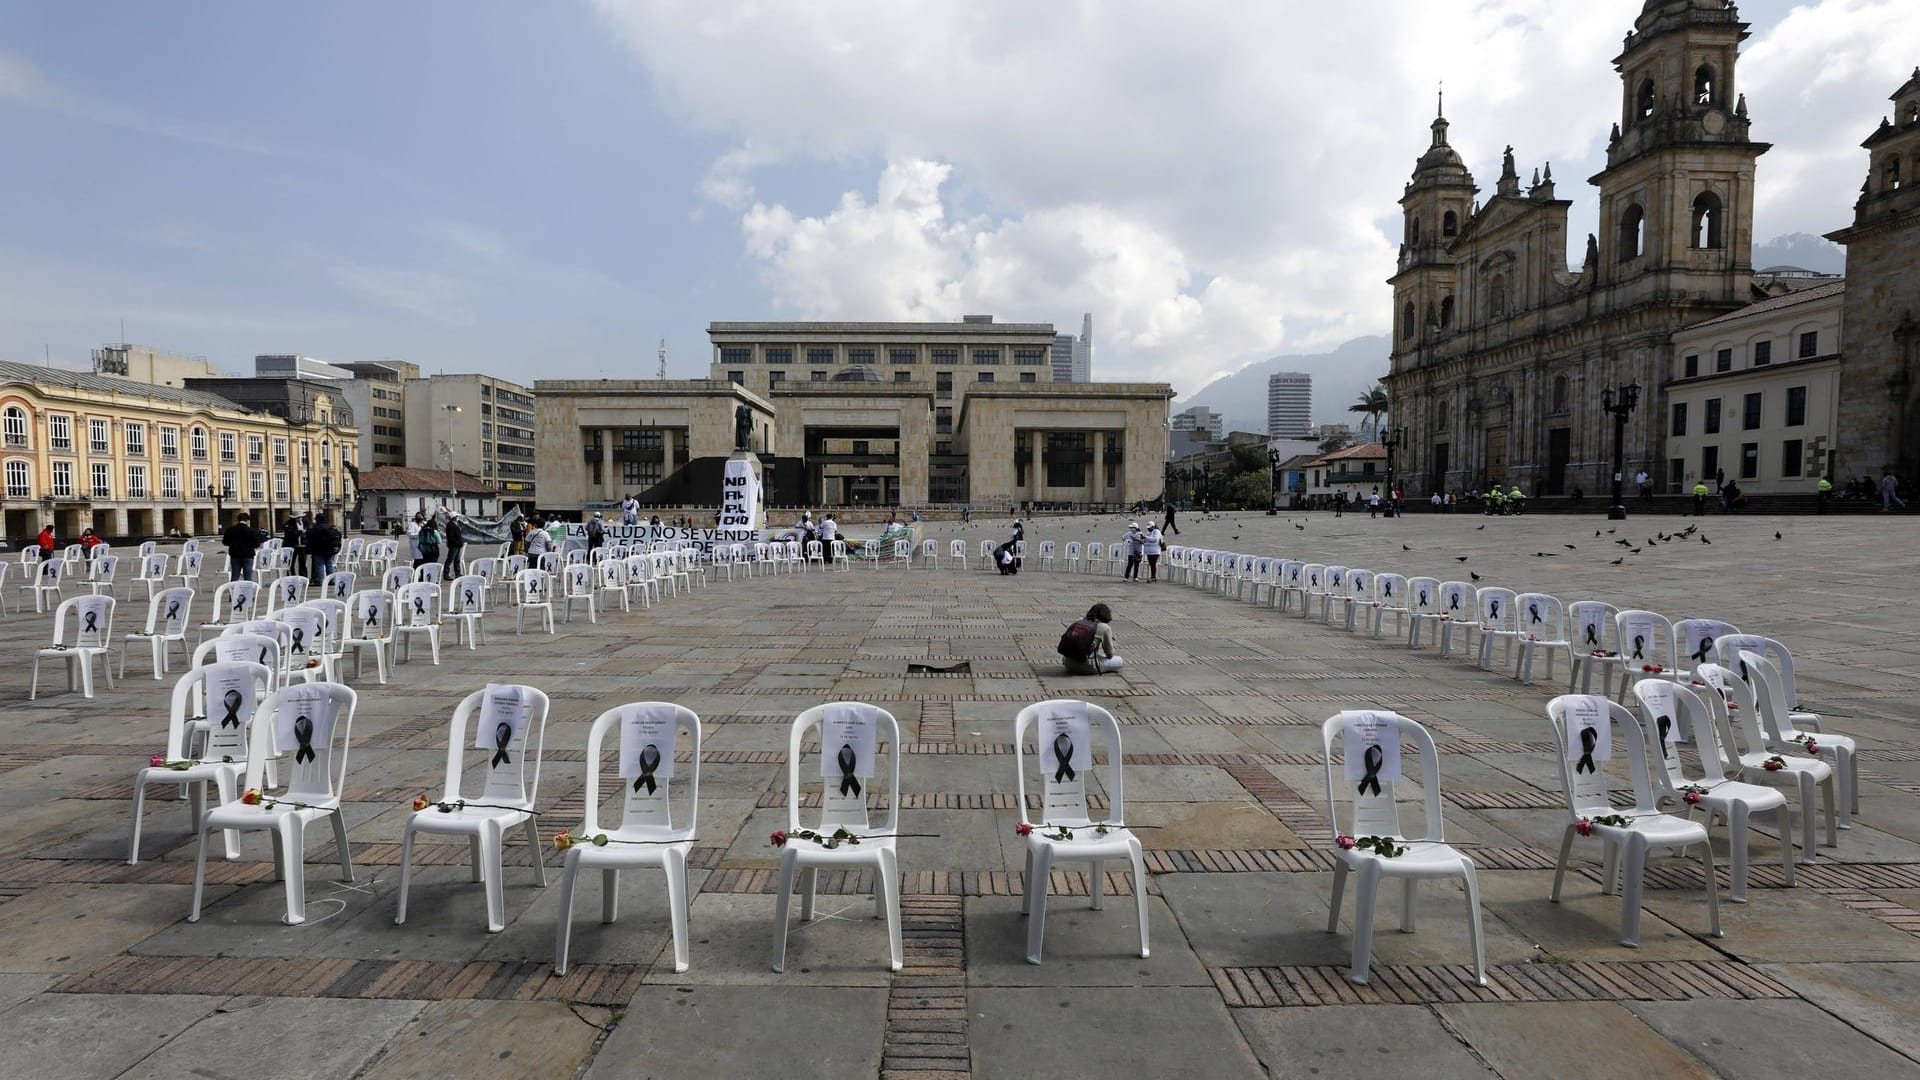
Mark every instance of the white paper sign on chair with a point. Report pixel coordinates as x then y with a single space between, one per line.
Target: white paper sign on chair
93 613
503 723
1657 696
847 744
1589 734
1066 753
304 725
1371 746
230 705
1639 638
648 738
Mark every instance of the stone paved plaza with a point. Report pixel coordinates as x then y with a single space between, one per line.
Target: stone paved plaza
1219 704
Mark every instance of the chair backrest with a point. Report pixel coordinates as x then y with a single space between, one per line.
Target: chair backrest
1664 705
532 587
99 549
50 573
1694 638
370 615
1646 638
1457 599
1336 579
1594 627
188 565
148 547
1063 744
396 578
333 619
153 567
169 612
903 549
1423 595
639 569
416 603
432 572
356 547
1729 647
505 719
957 549
844 805
1292 572
839 550
1735 706
270 630
1770 696
1373 745
190 544
649 737
1360 585
100 569
578 579
986 549
1542 616
1583 757
92 617
338 585
1047 549
287 591
612 574
1095 551
74 553
306 635
513 566
230 691
1315 575
312 722
1496 608
486 567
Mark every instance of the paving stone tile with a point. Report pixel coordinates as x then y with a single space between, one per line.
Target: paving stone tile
1082 947
1569 1041
737 1030
500 1040
87 1036
1072 1031
1764 1039
1382 1042
310 1038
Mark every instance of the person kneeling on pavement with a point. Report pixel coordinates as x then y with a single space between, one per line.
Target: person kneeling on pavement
1086 646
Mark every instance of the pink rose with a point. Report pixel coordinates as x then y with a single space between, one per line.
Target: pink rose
1023 829
1692 797
779 838
156 761
1584 827
1343 842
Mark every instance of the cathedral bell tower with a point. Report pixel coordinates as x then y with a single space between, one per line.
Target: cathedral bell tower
1676 197
1436 204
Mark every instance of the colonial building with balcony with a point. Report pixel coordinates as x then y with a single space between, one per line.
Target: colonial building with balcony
131 459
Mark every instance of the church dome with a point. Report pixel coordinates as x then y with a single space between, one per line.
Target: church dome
856 373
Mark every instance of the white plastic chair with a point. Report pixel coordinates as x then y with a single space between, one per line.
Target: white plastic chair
395 578
1096 557
1293 582
432 573
1721 795
639 576
839 549
533 589
44 584
509 788
1646 648
187 568
466 608
1063 803
1542 630
338 585
1776 722
169 614
1116 557
90 639
1694 641
1587 786
646 834
317 775
1046 555
577 586
275 632
902 554
221 755
957 551
1357 598
930 553
1373 812
1423 607
307 653
152 573
986 553
1499 621
876 849
1596 644
415 613
610 584
100 573
1313 583
369 628
286 592
1390 597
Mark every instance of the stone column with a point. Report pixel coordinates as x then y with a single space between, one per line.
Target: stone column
607 482
1099 472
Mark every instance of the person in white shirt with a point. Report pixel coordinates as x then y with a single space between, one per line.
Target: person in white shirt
1150 544
829 532
1136 547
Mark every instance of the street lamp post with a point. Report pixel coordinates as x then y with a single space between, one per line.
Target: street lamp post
1206 483
1628 397
1395 438
1273 482
453 491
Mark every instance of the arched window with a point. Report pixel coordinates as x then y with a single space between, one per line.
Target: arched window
1633 230
1409 320
1913 112
1497 297
1890 173
1450 225
19 480
16 425
1559 393
1440 417
1413 230
1446 312
1643 100
1703 87
1708 221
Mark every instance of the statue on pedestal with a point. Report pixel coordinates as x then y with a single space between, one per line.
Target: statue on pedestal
742 428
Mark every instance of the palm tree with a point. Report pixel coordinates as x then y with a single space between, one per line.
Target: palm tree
1372 404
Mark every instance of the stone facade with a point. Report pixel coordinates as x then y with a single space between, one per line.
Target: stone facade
1066 442
1880 381
598 438
1500 350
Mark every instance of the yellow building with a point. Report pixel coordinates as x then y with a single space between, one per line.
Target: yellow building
128 459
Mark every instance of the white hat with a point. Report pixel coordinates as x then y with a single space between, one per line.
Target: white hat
1133 524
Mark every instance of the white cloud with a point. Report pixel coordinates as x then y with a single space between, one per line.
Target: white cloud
1215 180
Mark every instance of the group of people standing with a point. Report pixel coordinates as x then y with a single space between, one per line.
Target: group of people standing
826 531
313 538
1142 543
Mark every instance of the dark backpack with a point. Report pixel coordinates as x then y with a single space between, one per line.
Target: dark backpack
1076 641
595 531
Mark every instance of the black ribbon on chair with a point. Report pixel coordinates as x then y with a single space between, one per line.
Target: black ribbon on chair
1593 635
419 608
90 623
299 639
1533 614
373 617
1706 643
1454 602
502 738
1744 677
1423 598
1387 588
848 759
1589 738
303 733
239 602
293 592
232 703
649 761
1063 757
1665 724
1639 647
1493 608
1374 758
469 595
263 656
173 610
340 588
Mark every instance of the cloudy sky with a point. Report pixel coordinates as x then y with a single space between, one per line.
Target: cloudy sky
548 189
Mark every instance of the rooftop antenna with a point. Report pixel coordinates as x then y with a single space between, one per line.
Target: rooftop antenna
663 360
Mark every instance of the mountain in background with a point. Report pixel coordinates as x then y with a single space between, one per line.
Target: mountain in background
1339 378
1804 250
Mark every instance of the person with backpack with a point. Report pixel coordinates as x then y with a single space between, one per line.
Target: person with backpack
537 542
243 543
456 546
429 541
323 543
596 533
1086 646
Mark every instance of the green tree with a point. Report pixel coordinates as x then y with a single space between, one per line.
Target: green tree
1249 490
1372 404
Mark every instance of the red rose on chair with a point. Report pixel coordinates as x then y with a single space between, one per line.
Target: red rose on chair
420 802
1584 827
779 838
156 761
1343 842
1692 797
1023 829
251 797
1774 763
561 841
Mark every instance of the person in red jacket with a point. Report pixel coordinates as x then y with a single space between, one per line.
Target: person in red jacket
46 541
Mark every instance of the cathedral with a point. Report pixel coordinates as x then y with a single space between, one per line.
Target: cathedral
1500 351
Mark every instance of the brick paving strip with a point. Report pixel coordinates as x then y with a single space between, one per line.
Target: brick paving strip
1422 984
431 980
926 1030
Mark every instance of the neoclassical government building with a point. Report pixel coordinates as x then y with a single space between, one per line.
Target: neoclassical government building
1501 351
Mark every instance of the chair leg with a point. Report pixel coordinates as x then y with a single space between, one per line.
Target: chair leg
1560 867
1786 845
293 853
609 895
496 874
199 872
139 806
675 862
1096 885
783 893
1140 894
1827 804
1409 896
563 922
1738 816
1339 890
1634 856
406 874
1713 888
808 878
1472 883
1366 891
342 847
474 859
1806 819
1041 869
888 888
1843 780
536 851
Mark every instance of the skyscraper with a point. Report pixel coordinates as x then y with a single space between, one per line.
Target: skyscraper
1289 404
1073 358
